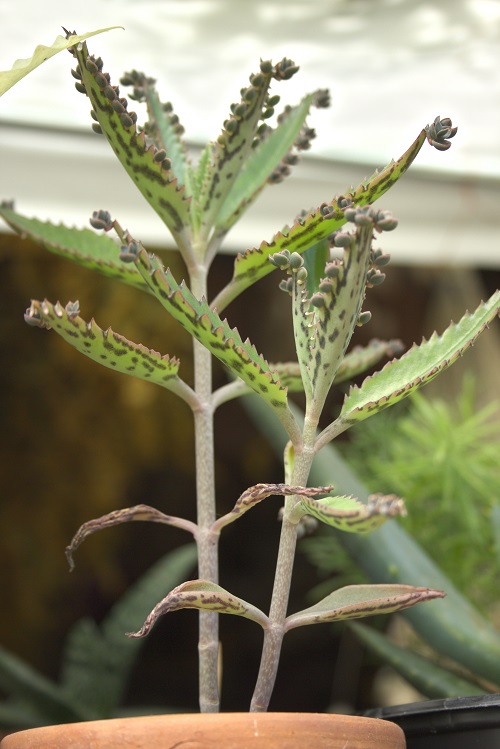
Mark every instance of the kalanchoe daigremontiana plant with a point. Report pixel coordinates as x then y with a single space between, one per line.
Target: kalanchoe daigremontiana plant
325 261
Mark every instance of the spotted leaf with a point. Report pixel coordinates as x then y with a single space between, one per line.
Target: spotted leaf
204 596
357 601
206 326
83 246
351 515
418 366
254 264
108 348
146 166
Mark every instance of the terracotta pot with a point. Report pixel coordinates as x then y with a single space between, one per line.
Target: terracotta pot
221 731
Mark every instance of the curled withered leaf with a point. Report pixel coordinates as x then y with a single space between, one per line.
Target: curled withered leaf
127 515
202 595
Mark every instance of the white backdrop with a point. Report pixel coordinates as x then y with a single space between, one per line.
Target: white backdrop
391 66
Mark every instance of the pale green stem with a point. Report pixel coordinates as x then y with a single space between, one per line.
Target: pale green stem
208 643
273 635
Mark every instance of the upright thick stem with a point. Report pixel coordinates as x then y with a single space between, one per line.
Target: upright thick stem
273 636
208 643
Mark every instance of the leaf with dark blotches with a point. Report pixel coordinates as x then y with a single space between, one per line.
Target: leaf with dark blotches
108 348
204 596
145 165
254 264
257 493
418 366
261 161
357 601
351 515
82 246
206 326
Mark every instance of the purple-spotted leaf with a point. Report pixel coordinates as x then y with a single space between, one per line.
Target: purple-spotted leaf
108 348
257 493
254 264
205 325
357 601
261 161
231 150
147 166
204 596
21 68
93 251
418 366
330 328
142 513
349 514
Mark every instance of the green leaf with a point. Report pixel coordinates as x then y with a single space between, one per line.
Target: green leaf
158 184
361 358
204 596
333 324
206 326
93 251
230 152
434 681
253 264
349 514
315 259
167 135
98 660
357 601
252 178
21 68
418 366
107 347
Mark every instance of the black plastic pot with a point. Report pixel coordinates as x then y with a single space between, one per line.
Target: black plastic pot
454 723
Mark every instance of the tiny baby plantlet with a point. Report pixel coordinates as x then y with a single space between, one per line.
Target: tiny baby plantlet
326 262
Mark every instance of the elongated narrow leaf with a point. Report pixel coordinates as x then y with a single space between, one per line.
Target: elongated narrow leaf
138 513
418 366
257 493
21 68
205 325
349 514
252 179
204 596
357 601
335 320
431 680
231 150
164 129
93 251
98 659
146 166
253 264
107 347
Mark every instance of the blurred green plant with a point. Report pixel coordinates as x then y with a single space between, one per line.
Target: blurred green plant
443 458
97 660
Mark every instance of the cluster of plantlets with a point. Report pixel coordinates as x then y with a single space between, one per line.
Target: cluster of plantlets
328 272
